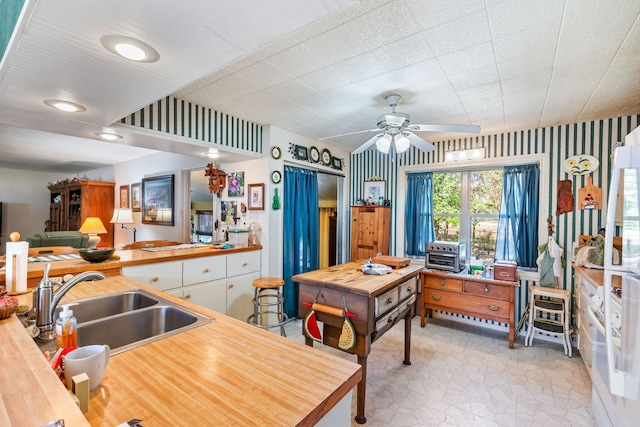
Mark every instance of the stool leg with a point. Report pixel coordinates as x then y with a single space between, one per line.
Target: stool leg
281 317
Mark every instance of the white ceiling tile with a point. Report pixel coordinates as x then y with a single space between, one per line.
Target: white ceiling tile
526 64
539 80
337 45
524 43
407 51
488 114
512 17
324 79
360 67
292 89
462 33
265 74
490 90
466 60
385 24
297 61
477 77
425 71
486 104
430 13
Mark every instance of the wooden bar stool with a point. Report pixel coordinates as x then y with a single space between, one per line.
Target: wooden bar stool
268 300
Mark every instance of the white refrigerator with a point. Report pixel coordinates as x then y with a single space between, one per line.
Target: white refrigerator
616 357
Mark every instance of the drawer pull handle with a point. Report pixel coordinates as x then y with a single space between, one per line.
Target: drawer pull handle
494 307
205 271
436 297
590 325
245 264
441 282
389 300
390 319
486 288
409 289
154 279
187 296
230 286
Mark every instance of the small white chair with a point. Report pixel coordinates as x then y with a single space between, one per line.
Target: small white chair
550 313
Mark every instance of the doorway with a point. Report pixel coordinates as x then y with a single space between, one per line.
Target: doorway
328 203
202 210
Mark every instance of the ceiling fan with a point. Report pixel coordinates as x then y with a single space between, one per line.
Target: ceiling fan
396 128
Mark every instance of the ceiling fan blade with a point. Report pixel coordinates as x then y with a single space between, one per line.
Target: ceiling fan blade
349 133
367 144
418 142
445 128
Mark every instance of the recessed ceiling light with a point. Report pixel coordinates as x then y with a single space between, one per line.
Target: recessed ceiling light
129 48
68 106
212 153
108 136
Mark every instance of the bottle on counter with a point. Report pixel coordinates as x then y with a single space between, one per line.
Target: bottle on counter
66 328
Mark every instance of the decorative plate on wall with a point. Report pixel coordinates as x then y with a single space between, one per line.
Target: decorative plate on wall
581 164
326 157
276 177
314 154
275 152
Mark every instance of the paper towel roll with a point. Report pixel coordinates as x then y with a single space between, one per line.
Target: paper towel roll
16 267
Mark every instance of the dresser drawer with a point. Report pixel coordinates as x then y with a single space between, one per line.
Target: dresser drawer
444 283
471 305
161 275
487 289
243 263
205 269
386 301
408 288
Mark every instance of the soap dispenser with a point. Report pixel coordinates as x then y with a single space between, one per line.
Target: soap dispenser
66 328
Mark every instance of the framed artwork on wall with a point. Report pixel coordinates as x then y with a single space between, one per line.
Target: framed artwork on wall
157 200
256 197
124 196
235 184
373 190
136 199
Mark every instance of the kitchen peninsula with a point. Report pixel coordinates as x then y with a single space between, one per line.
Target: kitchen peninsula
223 373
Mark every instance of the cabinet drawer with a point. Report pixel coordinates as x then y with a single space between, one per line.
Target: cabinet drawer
444 283
408 288
585 348
386 301
487 289
406 303
485 308
387 320
199 270
243 263
161 276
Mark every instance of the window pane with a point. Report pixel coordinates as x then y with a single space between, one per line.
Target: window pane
483 237
486 191
447 228
446 205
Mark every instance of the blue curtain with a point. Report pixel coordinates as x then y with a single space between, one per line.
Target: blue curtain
517 238
301 230
418 213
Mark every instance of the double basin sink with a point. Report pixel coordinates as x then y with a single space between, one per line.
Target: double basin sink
126 320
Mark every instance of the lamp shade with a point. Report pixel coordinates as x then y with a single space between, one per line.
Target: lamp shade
383 144
402 144
92 225
122 216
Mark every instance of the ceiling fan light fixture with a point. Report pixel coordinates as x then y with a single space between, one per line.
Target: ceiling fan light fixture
383 144
402 144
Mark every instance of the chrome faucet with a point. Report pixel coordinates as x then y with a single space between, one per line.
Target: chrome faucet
45 299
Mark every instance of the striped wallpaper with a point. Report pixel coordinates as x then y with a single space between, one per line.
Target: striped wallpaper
181 118
595 138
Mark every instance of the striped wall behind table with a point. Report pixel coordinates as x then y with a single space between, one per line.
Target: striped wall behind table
595 138
181 118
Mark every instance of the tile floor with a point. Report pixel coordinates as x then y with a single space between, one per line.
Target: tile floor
465 375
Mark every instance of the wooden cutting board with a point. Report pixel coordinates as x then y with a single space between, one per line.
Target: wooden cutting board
590 196
391 261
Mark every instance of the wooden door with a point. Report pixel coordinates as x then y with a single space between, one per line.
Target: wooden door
369 231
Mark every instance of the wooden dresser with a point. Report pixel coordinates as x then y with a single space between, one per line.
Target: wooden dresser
468 295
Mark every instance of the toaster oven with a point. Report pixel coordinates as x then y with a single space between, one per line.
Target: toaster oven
448 256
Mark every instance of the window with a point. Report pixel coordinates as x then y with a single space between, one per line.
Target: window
203 226
466 207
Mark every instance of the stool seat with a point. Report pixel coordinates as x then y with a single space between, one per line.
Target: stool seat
268 282
268 307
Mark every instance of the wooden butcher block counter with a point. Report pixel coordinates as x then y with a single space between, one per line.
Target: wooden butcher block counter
222 373
112 267
378 301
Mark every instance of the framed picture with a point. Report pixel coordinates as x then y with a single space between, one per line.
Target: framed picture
235 184
136 199
336 163
124 196
157 200
301 152
373 190
229 212
256 197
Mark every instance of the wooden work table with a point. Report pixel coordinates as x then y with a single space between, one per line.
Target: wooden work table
112 267
378 301
222 373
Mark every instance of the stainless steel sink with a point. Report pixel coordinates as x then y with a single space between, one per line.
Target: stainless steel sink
109 305
127 320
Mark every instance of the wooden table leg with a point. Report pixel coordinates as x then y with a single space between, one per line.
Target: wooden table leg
512 331
407 338
362 391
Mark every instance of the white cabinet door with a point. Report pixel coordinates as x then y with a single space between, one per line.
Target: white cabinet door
243 263
240 292
212 295
175 292
161 275
205 269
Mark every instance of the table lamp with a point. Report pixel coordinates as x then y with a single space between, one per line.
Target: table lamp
123 216
93 226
